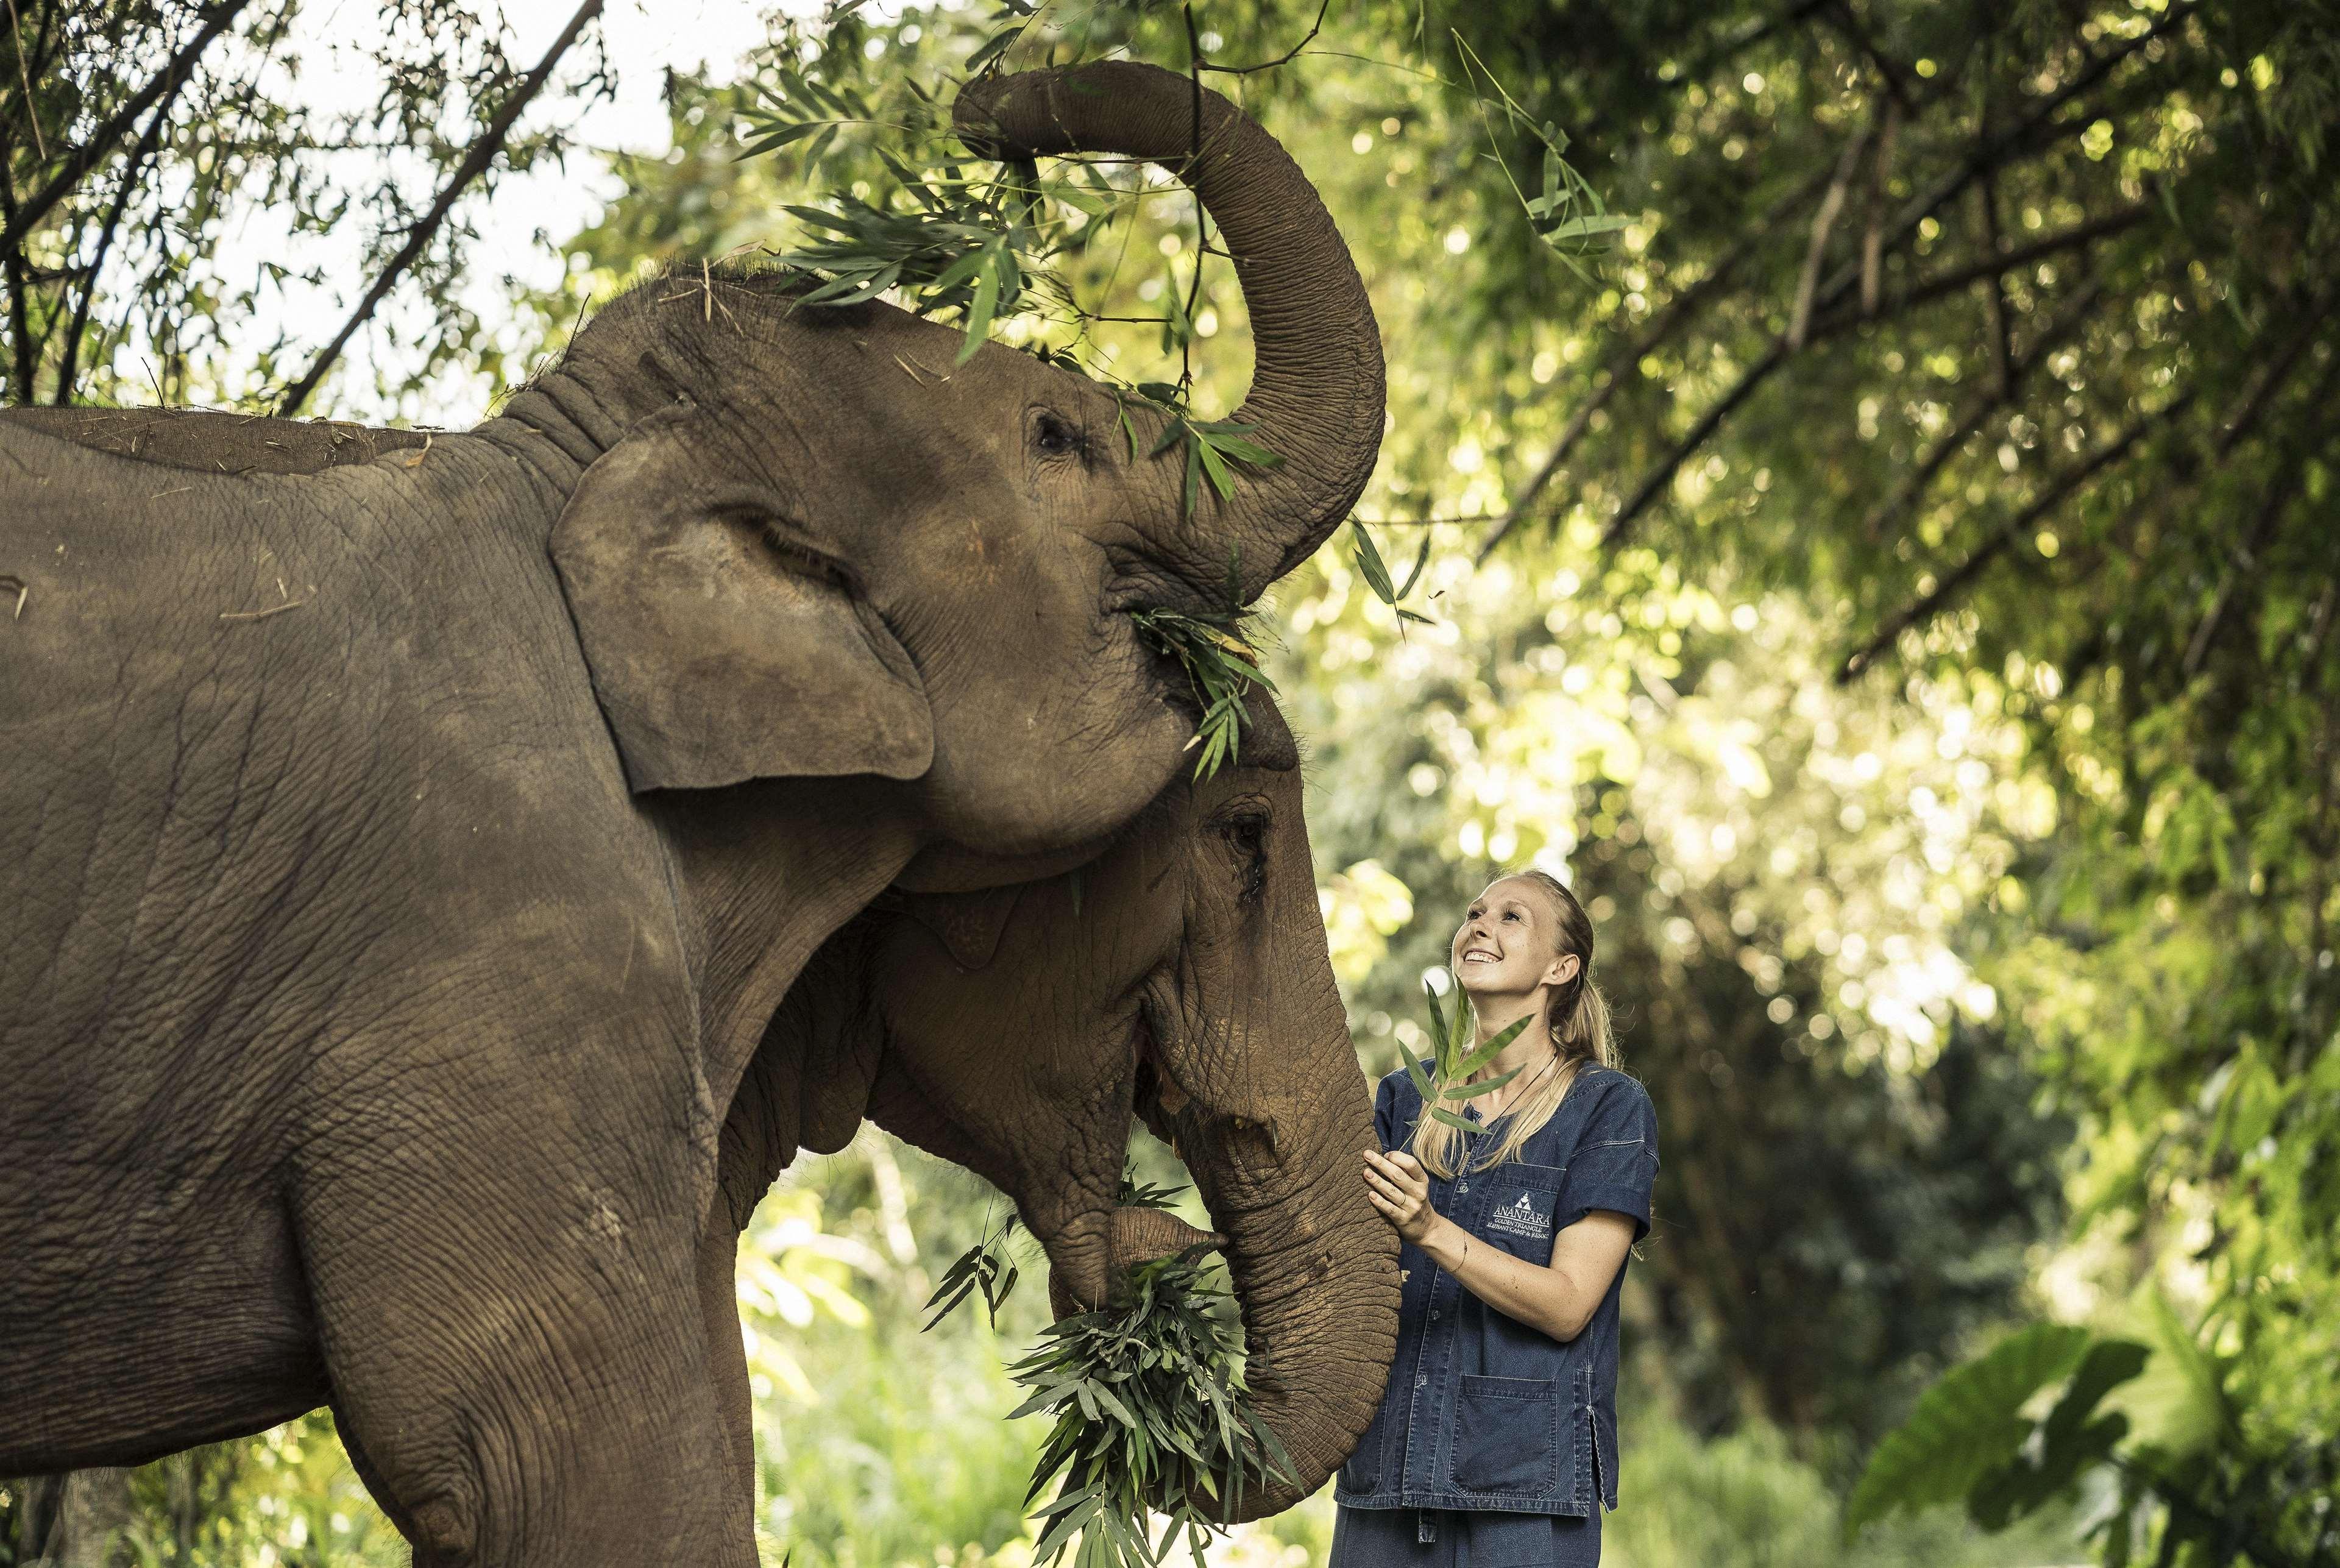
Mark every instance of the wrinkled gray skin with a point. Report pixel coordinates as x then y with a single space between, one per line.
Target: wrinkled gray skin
401 860
1182 979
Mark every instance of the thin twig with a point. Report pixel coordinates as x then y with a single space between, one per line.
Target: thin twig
24 592
1283 59
2058 492
25 79
261 614
475 163
148 142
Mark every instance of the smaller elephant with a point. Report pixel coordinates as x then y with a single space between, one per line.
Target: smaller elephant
1181 978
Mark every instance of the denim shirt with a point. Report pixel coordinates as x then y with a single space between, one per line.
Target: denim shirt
1482 1411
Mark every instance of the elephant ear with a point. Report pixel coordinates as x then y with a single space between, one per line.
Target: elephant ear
968 924
722 649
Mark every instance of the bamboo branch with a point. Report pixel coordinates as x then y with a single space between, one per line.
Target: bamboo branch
2058 492
85 157
475 163
1925 291
1872 238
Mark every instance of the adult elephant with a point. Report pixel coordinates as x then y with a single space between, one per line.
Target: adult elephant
1182 979
399 859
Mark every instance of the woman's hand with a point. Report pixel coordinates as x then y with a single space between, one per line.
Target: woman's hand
1400 1188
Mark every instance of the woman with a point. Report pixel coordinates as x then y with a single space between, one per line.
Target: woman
1496 1445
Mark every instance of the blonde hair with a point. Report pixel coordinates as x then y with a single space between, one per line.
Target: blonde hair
1577 1022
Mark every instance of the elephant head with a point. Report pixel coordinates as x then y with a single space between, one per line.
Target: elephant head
1183 978
808 543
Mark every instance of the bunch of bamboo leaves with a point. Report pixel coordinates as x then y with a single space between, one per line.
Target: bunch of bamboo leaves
960 244
1150 1405
1151 1411
1444 1083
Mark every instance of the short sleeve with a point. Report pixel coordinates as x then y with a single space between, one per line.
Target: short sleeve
1616 1160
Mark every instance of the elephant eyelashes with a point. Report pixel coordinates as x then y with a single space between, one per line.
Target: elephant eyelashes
1053 435
1246 834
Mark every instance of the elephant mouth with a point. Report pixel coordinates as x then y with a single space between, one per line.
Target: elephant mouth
1095 1250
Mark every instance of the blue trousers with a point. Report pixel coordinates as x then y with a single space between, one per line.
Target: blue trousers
1461 1538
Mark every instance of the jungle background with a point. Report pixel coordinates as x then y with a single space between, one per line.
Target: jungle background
1884 554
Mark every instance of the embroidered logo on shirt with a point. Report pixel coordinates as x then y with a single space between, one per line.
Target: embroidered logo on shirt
1521 1219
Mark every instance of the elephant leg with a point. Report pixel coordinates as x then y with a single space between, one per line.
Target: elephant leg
532 1388
727 1350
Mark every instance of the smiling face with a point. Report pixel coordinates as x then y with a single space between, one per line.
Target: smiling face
1509 943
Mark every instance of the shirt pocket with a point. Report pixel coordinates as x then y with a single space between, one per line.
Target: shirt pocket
1522 1200
1508 1436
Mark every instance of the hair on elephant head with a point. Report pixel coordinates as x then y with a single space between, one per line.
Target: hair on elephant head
819 547
1182 980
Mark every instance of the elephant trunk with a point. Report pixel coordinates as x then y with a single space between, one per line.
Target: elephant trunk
1317 391
1274 1148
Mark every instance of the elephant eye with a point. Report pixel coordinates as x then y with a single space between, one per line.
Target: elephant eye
1245 833
1053 435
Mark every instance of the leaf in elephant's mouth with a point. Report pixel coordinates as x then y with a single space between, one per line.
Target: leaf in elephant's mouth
1152 1412
1216 651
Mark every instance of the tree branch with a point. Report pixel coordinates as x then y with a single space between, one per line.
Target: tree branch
12 272
69 367
2058 491
2288 483
1799 318
475 163
1679 312
85 157
1990 153
1905 495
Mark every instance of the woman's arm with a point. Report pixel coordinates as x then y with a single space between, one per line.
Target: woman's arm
1559 1298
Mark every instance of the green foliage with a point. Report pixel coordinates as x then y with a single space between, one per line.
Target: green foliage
1445 1083
989 1267
1965 1427
1149 1398
1368 558
956 247
1747 1500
